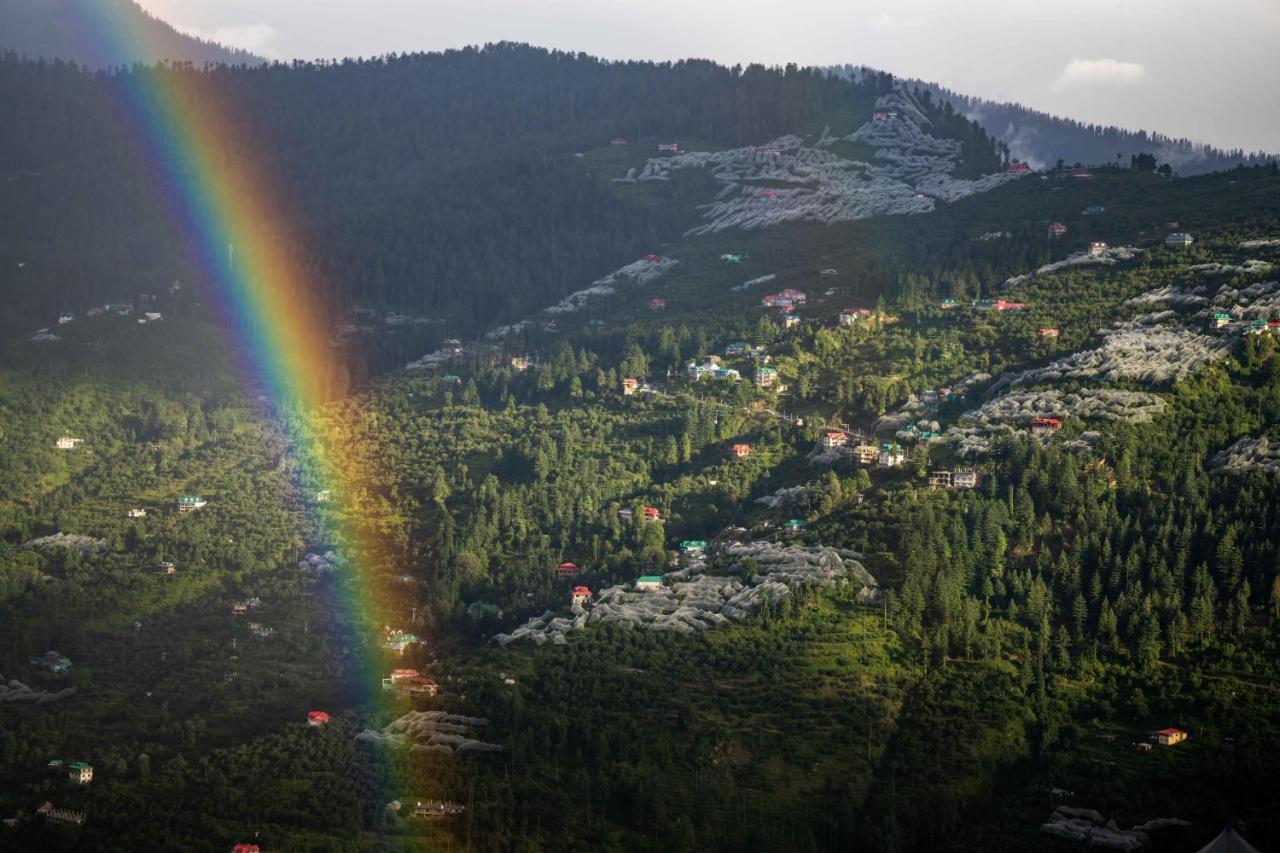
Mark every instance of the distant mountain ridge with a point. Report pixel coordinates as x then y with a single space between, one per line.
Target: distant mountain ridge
1041 139
57 29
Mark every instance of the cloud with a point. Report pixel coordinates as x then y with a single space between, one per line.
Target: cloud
886 21
255 38
1098 72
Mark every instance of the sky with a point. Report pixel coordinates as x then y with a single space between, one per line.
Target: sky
1186 68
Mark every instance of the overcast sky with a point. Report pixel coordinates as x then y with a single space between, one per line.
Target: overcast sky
1203 70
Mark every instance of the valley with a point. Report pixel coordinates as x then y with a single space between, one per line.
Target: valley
858 508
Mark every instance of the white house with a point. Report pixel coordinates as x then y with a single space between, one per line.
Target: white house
892 455
66 442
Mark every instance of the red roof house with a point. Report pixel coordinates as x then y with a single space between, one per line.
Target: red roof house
1015 166
651 513
1045 426
317 718
567 569
1056 229
657 303
741 451
580 595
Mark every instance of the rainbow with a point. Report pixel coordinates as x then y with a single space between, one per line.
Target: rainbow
234 222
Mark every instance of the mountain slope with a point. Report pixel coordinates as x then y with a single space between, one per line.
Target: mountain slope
442 184
59 29
1041 139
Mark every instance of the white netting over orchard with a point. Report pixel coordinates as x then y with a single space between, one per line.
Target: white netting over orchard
693 601
431 731
787 181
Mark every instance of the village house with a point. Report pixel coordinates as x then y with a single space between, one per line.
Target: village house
421 686
432 809
245 848
53 661
829 271
66 442
740 451
1082 174
957 479
733 259
239 608
153 316
657 303
693 546
649 583
672 147
397 640
833 439
567 570
629 386
949 303
851 316
137 512
1096 248
651 514
1045 426
736 348
1179 239
261 631
625 515
618 140
1005 305
790 321
317 718
191 503
793 525
167 568
1049 333
519 362
1094 210
1170 737
63 319
80 772
1220 319
1017 167
892 455
866 453
580 596
939 480
1056 230
765 377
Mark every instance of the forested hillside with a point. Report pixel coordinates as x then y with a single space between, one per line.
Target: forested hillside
838 653
67 29
445 185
